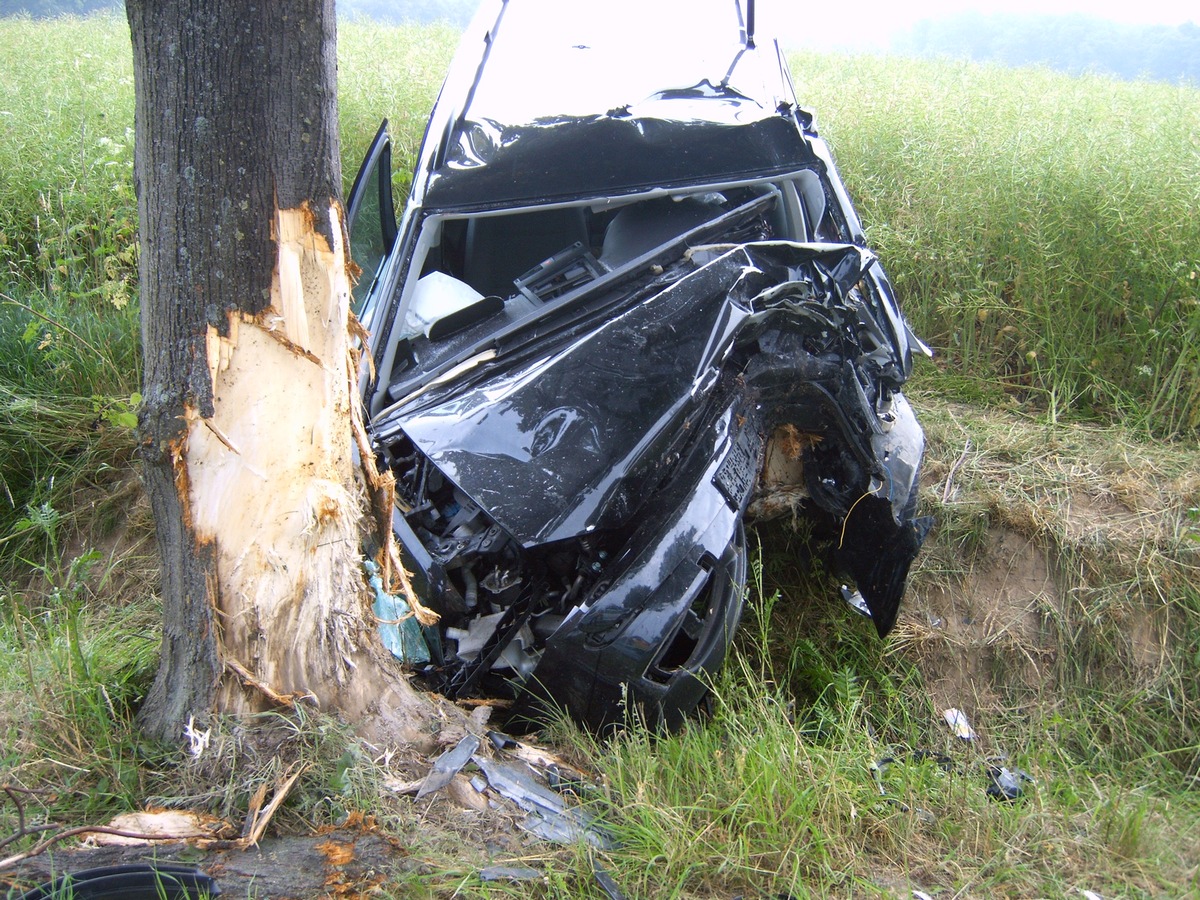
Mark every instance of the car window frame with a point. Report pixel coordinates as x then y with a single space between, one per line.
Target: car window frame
375 174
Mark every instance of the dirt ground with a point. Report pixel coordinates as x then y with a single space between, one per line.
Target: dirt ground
472 827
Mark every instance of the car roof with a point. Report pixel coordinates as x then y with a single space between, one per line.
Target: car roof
551 100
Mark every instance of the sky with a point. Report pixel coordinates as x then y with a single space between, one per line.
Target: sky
871 23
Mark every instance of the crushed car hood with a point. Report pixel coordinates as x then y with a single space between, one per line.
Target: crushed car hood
572 441
719 111
574 438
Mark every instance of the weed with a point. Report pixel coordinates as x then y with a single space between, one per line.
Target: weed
72 679
1057 601
1020 242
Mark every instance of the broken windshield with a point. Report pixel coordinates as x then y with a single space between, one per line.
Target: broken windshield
501 280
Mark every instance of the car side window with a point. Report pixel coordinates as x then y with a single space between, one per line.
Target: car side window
371 216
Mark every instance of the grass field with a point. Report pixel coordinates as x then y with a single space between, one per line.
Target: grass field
1042 229
1042 233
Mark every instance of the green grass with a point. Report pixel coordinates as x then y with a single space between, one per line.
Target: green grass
1040 228
1041 231
74 673
775 793
391 73
69 345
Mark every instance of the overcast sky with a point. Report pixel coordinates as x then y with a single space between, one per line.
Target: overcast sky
873 22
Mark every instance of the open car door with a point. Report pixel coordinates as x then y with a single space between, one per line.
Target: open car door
371 216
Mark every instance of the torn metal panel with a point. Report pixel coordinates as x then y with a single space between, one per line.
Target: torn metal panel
606 882
509 873
448 765
549 816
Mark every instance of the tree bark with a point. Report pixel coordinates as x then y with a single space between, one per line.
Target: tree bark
249 395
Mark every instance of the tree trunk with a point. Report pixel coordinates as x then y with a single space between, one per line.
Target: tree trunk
246 428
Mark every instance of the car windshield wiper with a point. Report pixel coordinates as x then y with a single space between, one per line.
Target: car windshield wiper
564 272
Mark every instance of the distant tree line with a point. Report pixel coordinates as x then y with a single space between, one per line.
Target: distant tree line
457 12
1074 43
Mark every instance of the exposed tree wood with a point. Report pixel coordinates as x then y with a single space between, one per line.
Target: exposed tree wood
287 700
260 817
249 372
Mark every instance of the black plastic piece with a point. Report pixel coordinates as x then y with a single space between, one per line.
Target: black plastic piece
149 881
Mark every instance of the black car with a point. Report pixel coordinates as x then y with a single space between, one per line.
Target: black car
627 305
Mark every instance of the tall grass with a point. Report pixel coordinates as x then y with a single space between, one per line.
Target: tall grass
1041 231
391 73
67 221
1041 228
74 675
69 354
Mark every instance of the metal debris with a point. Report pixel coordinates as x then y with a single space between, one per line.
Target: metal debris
448 765
509 873
606 882
1006 783
549 816
856 600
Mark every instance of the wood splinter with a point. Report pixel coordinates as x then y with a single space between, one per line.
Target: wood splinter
288 700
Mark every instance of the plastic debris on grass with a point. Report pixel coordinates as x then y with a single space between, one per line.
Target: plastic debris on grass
957 720
398 627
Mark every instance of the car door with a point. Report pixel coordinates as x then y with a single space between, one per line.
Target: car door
371 219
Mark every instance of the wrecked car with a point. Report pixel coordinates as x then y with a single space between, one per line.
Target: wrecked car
626 307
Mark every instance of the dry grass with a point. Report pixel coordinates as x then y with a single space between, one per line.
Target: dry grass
1062 581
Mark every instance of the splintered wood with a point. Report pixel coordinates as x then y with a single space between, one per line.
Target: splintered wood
270 477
